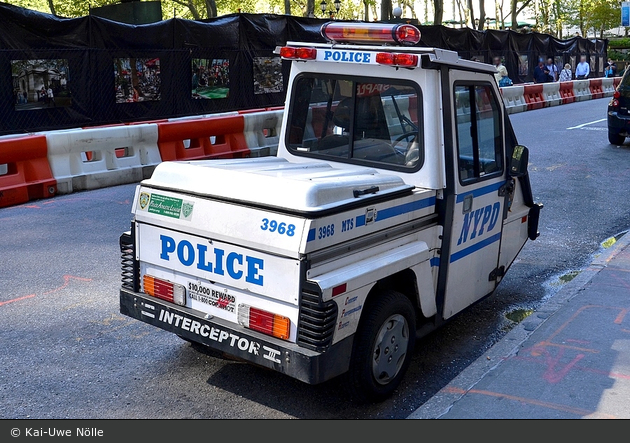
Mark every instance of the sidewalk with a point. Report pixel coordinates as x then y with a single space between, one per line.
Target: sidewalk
568 360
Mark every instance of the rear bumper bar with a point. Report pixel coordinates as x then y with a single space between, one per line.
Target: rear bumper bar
288 358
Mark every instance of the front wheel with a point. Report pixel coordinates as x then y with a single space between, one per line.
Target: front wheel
616 139
383 346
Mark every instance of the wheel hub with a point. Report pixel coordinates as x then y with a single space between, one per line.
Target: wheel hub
390 349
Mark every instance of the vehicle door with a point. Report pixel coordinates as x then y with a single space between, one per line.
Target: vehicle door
480 171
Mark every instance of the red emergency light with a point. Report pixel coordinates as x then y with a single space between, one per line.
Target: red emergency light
291 53
391 59
371 33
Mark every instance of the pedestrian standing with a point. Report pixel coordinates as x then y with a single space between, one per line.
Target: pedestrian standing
611 69
51 97
566 75
553 70
582 70
541 74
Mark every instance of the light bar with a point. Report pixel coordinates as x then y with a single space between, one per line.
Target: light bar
263 321
291 53
402 34
164 290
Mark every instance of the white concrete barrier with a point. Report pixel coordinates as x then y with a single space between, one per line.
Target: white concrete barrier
581 90
551 92
262 132
514 99
95 158
608 86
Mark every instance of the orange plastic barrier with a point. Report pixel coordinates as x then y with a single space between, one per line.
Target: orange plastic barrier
534 96
566 92
28 174
595 85
221 137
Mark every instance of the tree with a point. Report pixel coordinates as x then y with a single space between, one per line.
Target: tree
386 10
516 9
438 11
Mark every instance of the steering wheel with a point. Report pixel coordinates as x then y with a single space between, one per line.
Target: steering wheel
404 136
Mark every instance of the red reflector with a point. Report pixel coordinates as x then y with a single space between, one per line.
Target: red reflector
524 219
385 58
158 288
298 53
287 52
406 60
261 321
339 289
306 53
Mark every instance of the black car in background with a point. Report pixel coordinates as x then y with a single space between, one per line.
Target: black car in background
618 114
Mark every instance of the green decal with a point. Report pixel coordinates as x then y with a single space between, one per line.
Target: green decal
187 209
162 205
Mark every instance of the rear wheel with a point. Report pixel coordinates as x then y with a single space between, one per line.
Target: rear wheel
383 346
616 139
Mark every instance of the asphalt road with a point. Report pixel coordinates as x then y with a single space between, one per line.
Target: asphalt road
67 352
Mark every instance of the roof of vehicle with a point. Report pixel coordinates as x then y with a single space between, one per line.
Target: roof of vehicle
436 55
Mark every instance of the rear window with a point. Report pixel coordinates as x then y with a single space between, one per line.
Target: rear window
353 120
624 84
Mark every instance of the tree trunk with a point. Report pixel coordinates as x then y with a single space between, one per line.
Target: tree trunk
51 5
438 13
482 15
513 12
211 7
366 11
310 8
287 7
471 13
386 9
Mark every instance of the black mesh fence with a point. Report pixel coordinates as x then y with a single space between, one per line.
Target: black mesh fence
68 73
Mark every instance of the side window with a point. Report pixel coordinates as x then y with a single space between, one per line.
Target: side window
479 135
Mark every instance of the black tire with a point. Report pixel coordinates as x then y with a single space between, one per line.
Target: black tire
388 317
615 139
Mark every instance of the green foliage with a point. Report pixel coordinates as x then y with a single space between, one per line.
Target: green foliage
619 43
597 15
619 56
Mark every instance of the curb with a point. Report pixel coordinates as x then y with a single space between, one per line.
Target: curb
509 345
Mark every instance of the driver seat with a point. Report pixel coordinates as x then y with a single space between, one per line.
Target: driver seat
341 118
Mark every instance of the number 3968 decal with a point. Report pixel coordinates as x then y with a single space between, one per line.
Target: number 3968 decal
326 231
280 228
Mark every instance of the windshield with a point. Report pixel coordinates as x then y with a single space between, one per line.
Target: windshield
356 121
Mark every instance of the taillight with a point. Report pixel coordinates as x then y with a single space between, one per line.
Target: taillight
387 58
164 290
298 53
614 103
616 94
263 321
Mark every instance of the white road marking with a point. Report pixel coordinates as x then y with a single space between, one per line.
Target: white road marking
586 124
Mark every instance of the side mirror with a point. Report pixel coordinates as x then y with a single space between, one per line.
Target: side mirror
519 161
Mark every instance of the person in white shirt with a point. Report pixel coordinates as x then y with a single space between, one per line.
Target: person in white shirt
553 70
502 70
583 69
